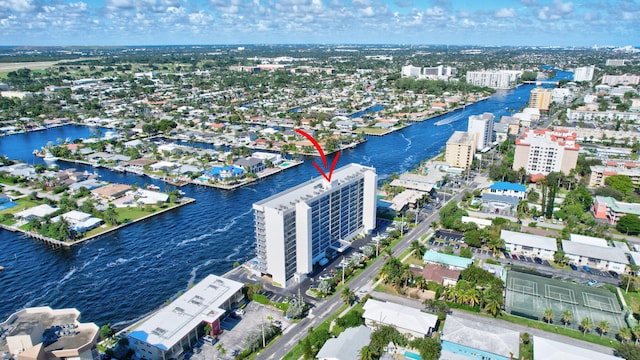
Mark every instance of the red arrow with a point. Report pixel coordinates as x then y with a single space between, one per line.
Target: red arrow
324 158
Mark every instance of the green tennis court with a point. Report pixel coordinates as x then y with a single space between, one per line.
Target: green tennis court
529 295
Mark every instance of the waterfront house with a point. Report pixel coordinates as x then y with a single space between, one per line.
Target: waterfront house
79 221
251 164
226 172
111 191
36 212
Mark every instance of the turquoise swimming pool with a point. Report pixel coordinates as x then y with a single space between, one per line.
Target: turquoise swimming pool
412 355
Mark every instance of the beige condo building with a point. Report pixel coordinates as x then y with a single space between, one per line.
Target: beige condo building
540 98
540 152
460 150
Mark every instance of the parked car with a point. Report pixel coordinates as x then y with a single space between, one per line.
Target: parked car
573 267
586 268
614 274
239 312
537 260
592 282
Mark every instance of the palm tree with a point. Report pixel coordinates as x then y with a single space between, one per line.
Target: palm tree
495 244
567 316
368 353
603 327
473 296
417 248
348 296
110 216
547 315
636 332
420 282
586 325
625 334
493 306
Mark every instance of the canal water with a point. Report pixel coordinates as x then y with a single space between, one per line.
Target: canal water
122 276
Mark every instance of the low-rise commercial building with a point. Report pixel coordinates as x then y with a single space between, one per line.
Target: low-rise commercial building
180 324
449 261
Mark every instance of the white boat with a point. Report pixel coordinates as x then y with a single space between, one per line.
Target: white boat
153 187
49 157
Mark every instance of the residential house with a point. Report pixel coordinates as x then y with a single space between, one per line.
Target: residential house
111 191
225 172
449 261
347 345
406 320
464 337
36 212
548 349
439 274
79 221
251 164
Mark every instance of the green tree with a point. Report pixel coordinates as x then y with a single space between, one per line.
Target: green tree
586 325
559 257
466 253
548 315
567 317
417 248
110 216
624 334
622 183
106 331
628 351
629 224
603 327
348 296
493 306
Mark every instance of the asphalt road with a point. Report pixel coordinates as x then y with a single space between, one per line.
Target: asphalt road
323 309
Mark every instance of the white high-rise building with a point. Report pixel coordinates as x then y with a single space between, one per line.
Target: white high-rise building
481 126
497 79
584 73
296 228
434 73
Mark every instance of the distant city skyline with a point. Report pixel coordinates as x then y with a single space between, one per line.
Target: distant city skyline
456 22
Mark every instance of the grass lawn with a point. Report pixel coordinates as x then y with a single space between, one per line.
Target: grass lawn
589 337
413 260
296 352
129 214
633 301
23 203
372 131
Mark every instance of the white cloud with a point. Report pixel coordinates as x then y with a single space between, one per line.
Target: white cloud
563 8
368 11
17 5
435 11
505 13
200 18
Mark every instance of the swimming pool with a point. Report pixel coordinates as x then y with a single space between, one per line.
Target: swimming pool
411 355
470 353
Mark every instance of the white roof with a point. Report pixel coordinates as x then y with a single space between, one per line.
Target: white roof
547 349
38 211
597 252
173 322
523 239
400 316
482 336
635 257
347 345
479 221
75 215
151 197
589 240
406 197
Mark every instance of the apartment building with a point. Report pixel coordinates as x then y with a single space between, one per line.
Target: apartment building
610 209
599 173
625 79
434 73
301 226
584 73
460 150
497 79
605 258
540 98
481 126
540 152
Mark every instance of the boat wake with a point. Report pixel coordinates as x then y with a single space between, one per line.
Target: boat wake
409 142
449 119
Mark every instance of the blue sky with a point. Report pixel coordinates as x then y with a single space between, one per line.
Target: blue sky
454 22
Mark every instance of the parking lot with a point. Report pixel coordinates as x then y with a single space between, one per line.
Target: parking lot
441 243
235 330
